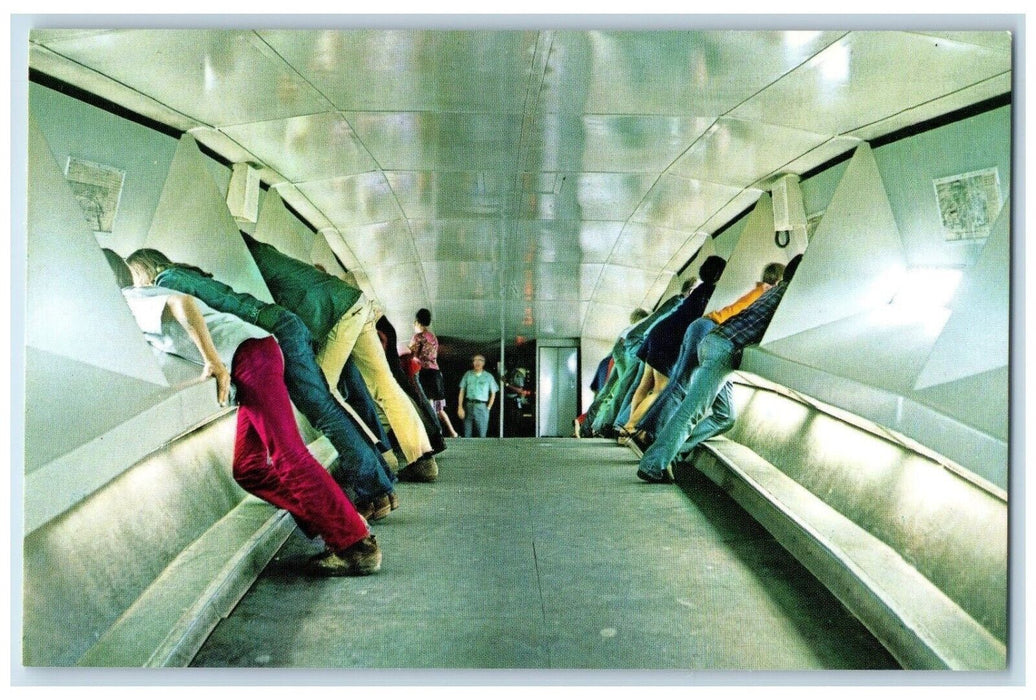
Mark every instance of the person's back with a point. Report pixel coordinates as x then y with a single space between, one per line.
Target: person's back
222 297
270 459
662 345
226 330
318 298
425 346
342 322
361 466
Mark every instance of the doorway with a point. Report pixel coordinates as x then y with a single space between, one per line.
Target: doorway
557 387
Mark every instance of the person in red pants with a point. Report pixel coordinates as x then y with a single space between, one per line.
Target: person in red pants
271 460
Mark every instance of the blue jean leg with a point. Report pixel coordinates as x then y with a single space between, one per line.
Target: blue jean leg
360 466
675 391
720 419
601 397
613 388
608 418
626 371
715 362
626 405
351 386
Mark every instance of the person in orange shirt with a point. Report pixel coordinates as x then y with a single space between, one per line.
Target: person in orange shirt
675 390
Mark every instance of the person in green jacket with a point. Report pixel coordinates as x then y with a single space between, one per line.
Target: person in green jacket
341 319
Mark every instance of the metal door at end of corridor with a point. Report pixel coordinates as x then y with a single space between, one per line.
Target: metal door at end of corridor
557 388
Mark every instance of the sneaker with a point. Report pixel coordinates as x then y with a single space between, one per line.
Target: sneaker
377 509
643 440
393 500
359 559
423 470
666 478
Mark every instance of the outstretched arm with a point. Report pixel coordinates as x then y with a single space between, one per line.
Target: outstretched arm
186 312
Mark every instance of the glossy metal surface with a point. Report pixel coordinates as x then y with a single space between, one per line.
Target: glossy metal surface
545 181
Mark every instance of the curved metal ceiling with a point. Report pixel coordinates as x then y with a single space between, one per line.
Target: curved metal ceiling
535 183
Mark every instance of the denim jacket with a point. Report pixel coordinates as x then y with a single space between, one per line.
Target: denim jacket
217 295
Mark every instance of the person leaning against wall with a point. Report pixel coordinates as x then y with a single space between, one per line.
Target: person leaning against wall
478 391
675 390
708 407
341 319
661 346
360 467
270 460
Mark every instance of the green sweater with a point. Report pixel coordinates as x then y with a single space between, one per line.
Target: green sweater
318 298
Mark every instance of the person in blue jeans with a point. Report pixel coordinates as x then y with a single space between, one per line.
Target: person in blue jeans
616 408
356 395
661 347
617 383
360 467
675 391
607 409
478 390
719 353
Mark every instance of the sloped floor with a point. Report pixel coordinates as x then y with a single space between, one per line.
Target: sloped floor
550 554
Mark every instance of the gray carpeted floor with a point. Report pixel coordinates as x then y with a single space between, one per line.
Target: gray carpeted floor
550 554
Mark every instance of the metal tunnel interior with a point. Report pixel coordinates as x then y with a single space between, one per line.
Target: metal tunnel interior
532 181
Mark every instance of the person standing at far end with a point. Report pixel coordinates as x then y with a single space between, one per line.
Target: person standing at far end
478 391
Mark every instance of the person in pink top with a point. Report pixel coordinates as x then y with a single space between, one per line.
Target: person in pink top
425 348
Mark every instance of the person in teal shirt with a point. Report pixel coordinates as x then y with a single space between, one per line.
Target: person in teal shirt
478 391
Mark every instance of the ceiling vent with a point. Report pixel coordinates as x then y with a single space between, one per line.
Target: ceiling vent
788 211
243 194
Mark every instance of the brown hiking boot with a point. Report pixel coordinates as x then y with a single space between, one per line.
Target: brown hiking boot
377 509
393 500
359 559
423 470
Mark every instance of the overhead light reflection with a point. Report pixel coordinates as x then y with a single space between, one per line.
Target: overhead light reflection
868 457
700 69
325 51
926 288
922 299
798 39
209 73
777 412
834 64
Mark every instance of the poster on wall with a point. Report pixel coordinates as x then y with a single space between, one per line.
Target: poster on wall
968 203
97 188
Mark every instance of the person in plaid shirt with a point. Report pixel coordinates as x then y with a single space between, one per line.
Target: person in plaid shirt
718 354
